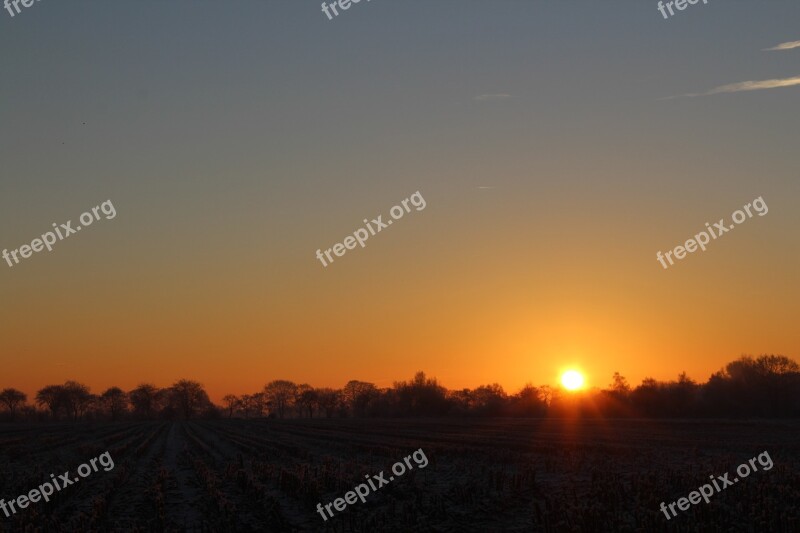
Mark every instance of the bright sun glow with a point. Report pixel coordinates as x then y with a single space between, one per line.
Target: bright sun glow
572 380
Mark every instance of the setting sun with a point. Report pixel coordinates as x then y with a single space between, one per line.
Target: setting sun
572 380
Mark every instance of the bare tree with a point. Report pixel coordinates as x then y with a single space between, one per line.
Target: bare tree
489 399
357 395
328 401
281 393
306 398
620 385
114 401
549 394
144 400
189 397
253 404
77 398
421 396
53 397
247 405
12 398
232 403
259 403
528 402
776 364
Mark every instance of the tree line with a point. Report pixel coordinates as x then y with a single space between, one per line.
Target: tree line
767 386
74 401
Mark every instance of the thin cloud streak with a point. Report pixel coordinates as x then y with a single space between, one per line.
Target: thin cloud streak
784 46
744 86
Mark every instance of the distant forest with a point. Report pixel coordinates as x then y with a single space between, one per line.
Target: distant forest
767 386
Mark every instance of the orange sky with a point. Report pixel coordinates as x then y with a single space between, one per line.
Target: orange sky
459 303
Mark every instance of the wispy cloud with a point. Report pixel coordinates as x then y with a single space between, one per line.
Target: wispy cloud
784 46
745 86
485 187
489 97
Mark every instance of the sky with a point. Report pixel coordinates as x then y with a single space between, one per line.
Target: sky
558 147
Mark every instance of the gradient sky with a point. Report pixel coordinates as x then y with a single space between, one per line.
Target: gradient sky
237 138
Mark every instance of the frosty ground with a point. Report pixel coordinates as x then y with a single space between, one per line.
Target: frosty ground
484 474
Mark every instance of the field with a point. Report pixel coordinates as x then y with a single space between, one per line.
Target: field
483 475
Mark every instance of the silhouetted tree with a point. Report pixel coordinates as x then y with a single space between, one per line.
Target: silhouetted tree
115 402
460 401
72 397
420 396
51 396
281 393
232 403
620 385
77 398
488 400
528 402
682 397
328 401
189 398
776 365
12 399
548 393
145 400
767 386
258 402
357 395
646 397
306 399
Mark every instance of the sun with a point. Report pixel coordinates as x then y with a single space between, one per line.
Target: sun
572 380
